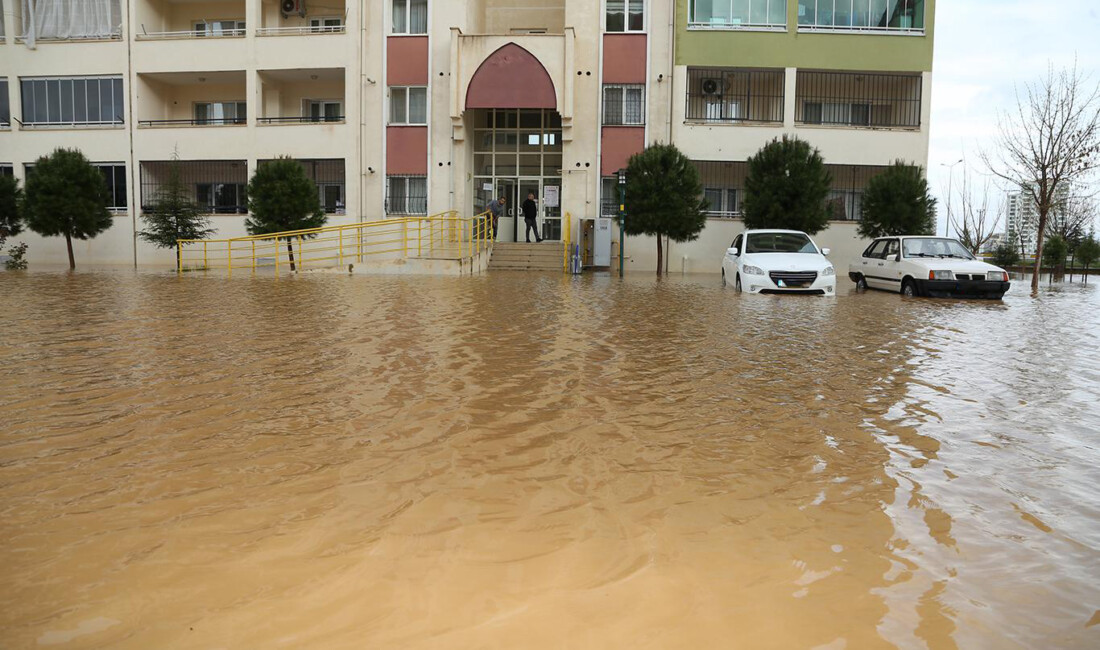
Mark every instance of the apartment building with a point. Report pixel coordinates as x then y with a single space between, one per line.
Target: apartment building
1022 217
399 107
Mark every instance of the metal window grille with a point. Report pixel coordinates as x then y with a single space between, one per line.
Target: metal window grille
217 186
624 104
328 175
609 196
64 101
724 188
735 95
858 99
7 169
407 194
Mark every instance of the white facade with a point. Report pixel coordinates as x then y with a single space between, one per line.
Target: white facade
377 99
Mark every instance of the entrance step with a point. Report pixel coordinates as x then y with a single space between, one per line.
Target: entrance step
521 256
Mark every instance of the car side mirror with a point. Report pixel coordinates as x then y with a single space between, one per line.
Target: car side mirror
731 252
826 251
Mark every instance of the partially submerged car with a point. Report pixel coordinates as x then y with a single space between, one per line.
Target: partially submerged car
778 261
927 266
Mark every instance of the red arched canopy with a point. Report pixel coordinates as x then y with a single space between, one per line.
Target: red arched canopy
511 77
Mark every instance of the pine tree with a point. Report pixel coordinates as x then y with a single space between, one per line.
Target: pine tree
66 195
174 215
280 198
11 209
663 193
897 202
1088 253
786 187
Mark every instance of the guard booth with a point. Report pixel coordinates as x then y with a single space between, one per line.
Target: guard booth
596 242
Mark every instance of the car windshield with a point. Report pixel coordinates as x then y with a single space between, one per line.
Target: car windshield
779 242
935 247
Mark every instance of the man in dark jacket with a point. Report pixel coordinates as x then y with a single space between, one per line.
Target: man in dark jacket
495 209
530 213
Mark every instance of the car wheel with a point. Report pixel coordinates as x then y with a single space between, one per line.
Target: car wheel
861 283
737 282
909 289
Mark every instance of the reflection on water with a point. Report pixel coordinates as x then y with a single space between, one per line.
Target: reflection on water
542 461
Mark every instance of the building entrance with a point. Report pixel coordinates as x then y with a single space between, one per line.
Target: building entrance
516 152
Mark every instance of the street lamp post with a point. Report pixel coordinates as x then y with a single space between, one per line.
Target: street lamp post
622 218
950 178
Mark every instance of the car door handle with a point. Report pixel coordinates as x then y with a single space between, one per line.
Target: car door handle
882 263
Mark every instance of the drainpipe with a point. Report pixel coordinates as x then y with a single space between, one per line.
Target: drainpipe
671 65
133 190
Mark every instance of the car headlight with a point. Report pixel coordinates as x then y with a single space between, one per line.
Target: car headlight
828 271
996 276
752 270
941 275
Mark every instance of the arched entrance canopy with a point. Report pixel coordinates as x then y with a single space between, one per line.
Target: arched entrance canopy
511 77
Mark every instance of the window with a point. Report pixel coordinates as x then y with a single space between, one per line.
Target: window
222 198
324 110
408 105
56 101
624 104
625 15
5 107
323 24
7 169
733 14
721 202
410 16
332 197
876 249
114 174
889 15
851 114
406 195
68 19
220 112
858 99
735 95
219 28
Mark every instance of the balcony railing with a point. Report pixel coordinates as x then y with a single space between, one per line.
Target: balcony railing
735 96
210 121
301 29
858 99
194 33
304 119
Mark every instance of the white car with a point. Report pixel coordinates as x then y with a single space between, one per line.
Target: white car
927 266
778 261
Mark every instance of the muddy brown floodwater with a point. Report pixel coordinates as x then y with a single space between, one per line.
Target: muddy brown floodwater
538 461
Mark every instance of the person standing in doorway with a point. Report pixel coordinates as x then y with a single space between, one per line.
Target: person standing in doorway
530 213
495 209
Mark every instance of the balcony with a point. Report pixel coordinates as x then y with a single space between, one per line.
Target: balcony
183 19
65 21
216 186
858 100
735 96
724 188
313 96
191 99
331 18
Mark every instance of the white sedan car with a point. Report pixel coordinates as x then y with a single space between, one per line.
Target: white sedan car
927 266
778 261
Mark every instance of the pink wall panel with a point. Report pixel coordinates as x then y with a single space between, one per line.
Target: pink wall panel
406 150
511 77
407 61
624 58
619 144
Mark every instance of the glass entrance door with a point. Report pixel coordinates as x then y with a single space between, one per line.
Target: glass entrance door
508 227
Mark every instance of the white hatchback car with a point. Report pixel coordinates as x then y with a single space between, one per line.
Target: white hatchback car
927 266
778 261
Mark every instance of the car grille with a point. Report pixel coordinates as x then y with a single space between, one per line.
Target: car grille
793 278
967 276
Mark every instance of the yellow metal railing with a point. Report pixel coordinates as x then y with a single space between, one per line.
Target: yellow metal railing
441 236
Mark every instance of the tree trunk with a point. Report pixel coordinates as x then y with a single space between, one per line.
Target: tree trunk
660 255
69 245
290 252
179 258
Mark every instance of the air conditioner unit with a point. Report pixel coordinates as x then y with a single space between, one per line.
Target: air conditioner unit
293 7
712 86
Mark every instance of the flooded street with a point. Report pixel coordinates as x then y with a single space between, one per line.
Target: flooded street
540 461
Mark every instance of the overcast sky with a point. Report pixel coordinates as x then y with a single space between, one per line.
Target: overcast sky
983 49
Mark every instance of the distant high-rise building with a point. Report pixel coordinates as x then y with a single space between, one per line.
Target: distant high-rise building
1022 218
